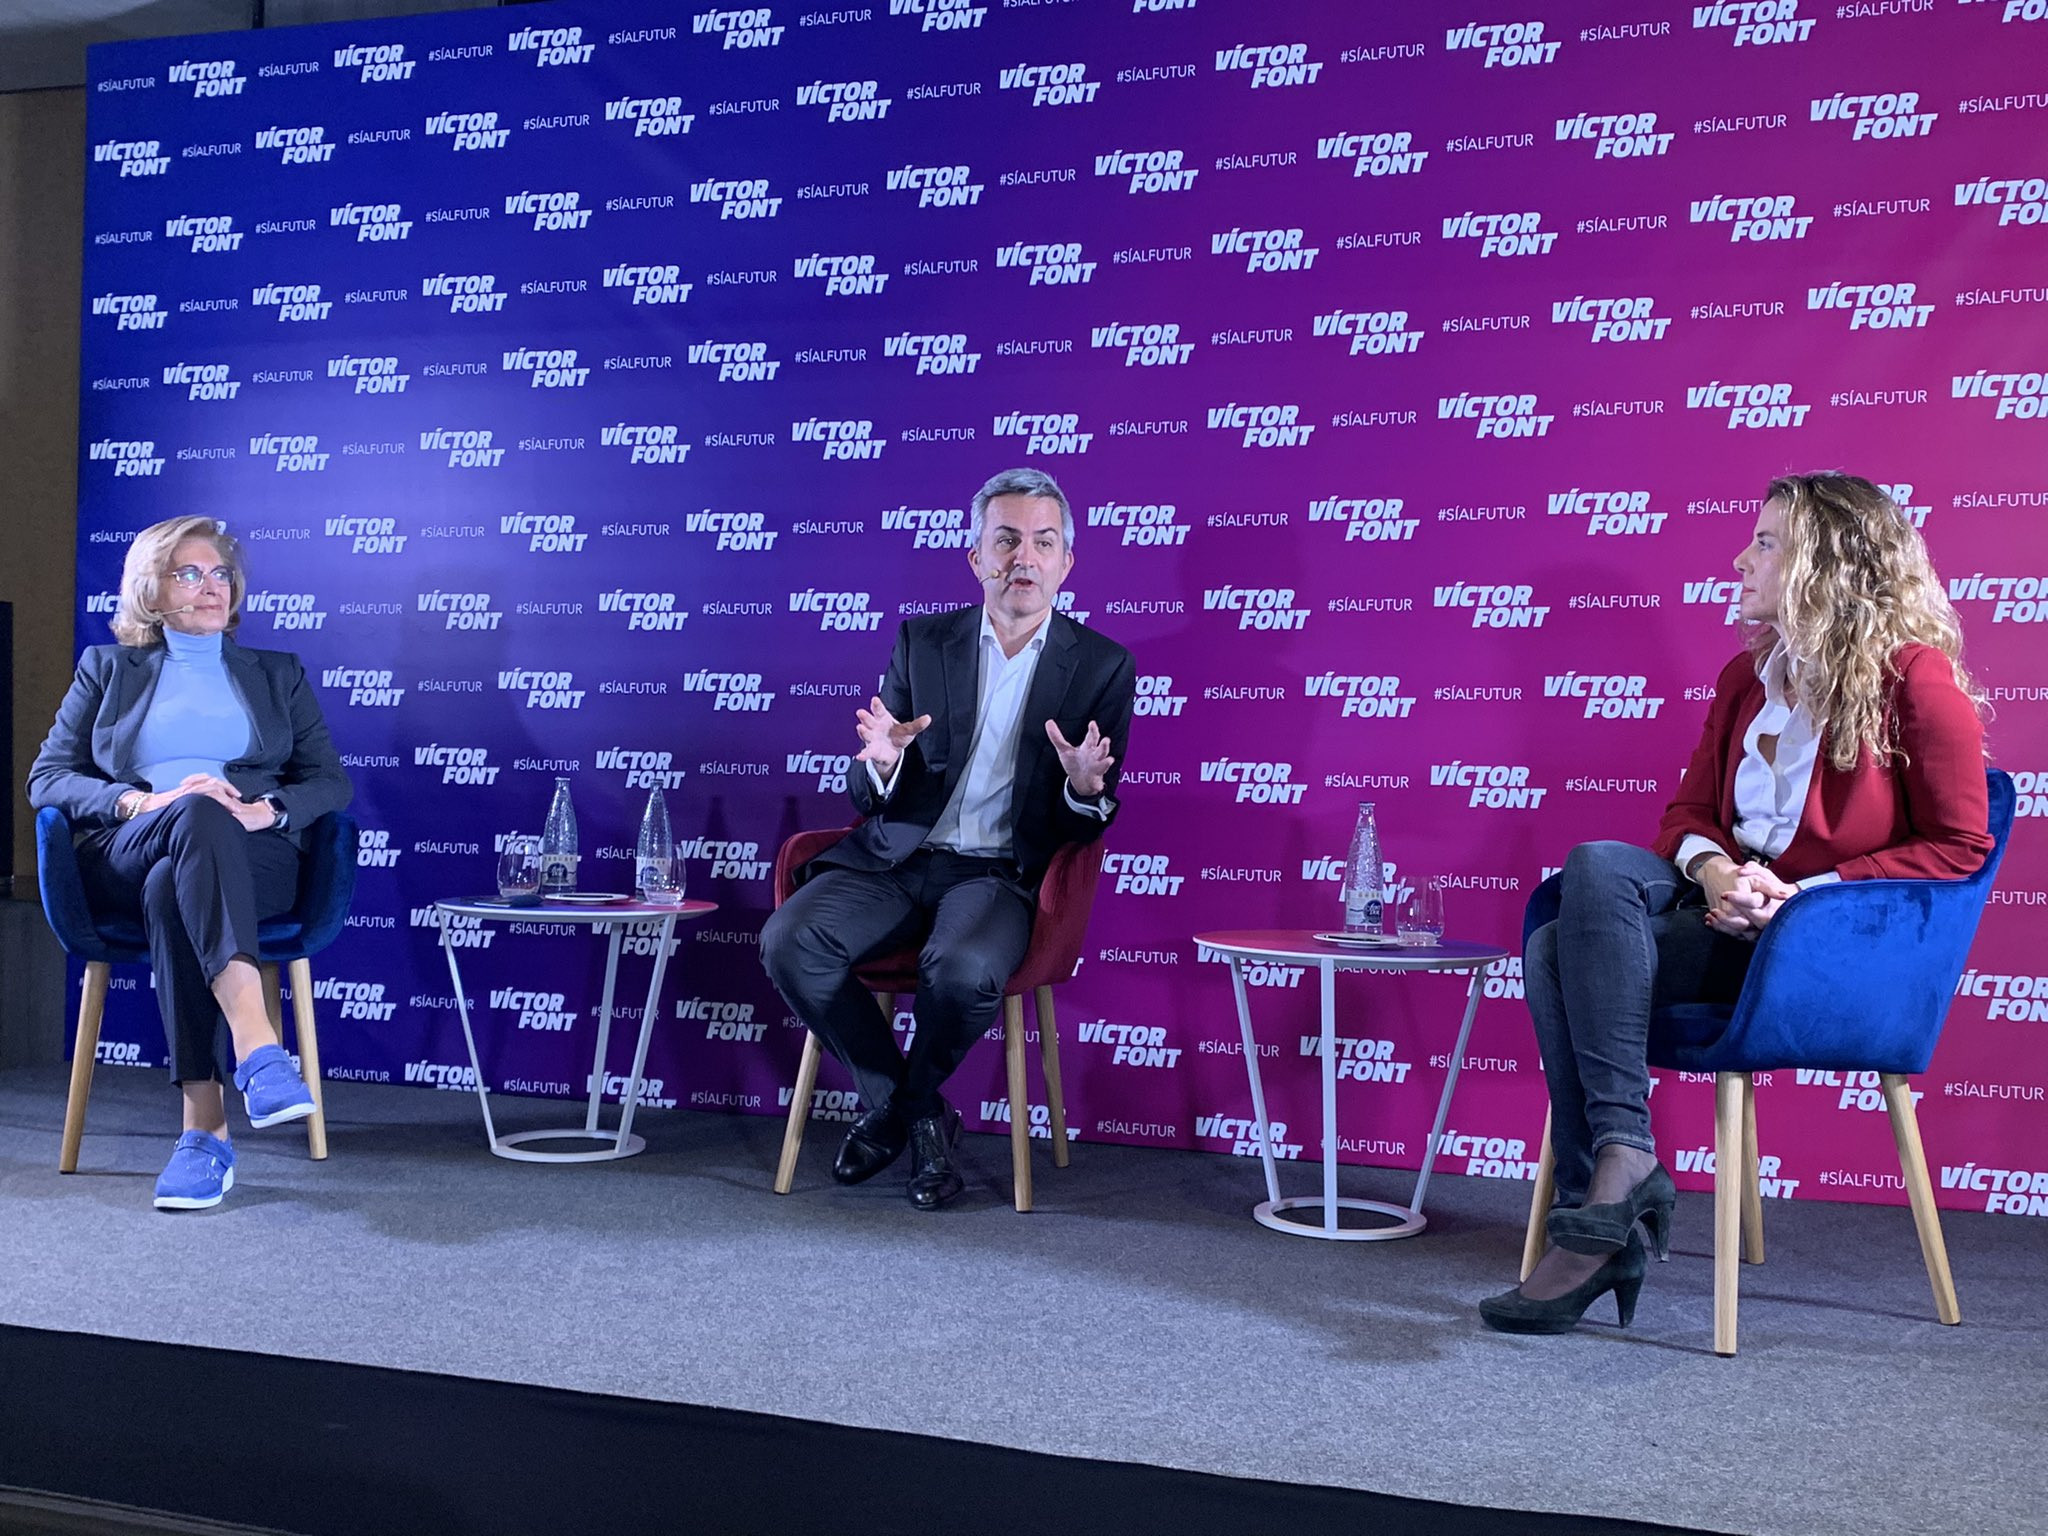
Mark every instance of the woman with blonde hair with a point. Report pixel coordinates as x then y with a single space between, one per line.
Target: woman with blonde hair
190 767
1844 743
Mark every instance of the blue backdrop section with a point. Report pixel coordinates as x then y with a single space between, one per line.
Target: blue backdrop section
499 352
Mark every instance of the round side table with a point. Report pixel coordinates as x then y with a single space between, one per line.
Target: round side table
1300 946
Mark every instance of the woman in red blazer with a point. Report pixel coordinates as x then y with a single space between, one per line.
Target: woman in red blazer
1844 743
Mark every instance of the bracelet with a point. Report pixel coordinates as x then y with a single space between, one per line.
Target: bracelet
129 806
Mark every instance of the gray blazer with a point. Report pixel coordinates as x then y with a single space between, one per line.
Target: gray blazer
87 762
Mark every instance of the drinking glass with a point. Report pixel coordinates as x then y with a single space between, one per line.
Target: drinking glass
519 867
660 878
1421 920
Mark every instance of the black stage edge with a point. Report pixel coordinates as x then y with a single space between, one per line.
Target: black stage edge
321 1449
25 1513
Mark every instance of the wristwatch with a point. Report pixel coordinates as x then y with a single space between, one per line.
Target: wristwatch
284 819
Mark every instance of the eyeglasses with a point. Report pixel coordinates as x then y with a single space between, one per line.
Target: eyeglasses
192 576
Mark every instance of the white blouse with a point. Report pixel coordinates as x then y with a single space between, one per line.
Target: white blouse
1770 796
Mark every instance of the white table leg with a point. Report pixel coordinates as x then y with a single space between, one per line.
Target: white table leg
483 1092
1329 971
1443 1105
632 1100
1402 1221
1251 1067
604 1031
621 1142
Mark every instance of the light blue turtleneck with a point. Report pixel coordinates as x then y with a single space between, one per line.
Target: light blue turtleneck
195 724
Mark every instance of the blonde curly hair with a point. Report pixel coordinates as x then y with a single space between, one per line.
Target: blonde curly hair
1857 585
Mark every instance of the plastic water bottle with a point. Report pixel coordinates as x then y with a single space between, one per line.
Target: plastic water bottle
558 852
1365 909
655 867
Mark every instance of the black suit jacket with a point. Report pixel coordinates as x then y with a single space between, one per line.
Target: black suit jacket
936 670
88 760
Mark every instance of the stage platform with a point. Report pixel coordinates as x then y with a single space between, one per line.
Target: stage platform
425 1337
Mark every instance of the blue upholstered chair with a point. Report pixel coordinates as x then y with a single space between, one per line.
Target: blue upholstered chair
1854 977
327 881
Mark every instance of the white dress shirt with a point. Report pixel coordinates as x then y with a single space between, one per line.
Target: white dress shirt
1770 796
977 820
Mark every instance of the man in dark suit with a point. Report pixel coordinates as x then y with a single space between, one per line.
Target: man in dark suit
992 743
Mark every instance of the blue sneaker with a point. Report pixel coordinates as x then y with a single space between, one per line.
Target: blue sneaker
200 1171
272 1090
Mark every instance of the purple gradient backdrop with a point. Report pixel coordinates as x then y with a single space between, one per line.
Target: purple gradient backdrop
1738 112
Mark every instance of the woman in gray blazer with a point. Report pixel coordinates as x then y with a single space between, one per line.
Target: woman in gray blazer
190 767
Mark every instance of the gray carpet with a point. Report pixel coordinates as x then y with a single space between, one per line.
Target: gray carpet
1138 1315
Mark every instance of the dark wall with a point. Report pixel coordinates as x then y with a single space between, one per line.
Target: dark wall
42 224
8 815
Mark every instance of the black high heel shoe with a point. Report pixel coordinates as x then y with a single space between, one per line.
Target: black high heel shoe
1512 1312
1605 1228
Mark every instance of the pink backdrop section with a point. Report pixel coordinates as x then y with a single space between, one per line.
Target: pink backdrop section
1423 375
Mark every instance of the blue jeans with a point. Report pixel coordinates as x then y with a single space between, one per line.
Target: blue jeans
1629 939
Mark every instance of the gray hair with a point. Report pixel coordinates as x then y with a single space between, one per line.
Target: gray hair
136 620
1022 482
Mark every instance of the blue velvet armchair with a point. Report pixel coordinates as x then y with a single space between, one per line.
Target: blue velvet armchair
1854 977
327 882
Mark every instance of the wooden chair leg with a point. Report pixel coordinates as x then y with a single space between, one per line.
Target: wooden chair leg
1752 1186
273 1001
1728 1098
799 1114
1049 1059
85 1050
301 971
1539 1202
1898 1099
1020 1105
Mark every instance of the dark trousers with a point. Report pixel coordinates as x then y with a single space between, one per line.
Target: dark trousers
974 923
198 882
1630 938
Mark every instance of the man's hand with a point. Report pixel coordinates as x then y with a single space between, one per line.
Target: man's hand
1087 762
883 737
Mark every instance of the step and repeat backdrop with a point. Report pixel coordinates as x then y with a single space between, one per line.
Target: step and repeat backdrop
596 387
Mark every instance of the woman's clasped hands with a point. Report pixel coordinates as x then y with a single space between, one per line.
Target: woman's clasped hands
1743 898
254 815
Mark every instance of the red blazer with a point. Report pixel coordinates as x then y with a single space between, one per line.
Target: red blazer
1921 816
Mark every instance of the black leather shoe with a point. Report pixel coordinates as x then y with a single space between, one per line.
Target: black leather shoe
935 1178
876 1140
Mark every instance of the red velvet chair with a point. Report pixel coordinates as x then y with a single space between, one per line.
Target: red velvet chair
1064 900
